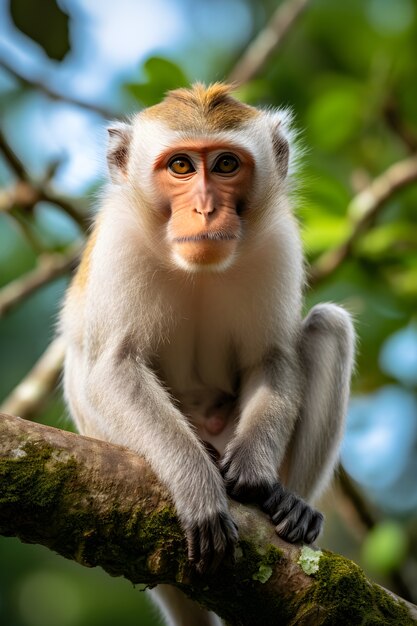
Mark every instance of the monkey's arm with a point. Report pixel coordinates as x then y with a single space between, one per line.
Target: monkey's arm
118 398
270 407
326 353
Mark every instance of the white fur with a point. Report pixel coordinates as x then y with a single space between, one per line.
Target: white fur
153 342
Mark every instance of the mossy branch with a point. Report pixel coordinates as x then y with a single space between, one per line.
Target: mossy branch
100 504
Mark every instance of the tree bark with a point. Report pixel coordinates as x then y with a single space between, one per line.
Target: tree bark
101 505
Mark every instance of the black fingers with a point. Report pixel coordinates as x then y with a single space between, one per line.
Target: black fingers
210 541
294 519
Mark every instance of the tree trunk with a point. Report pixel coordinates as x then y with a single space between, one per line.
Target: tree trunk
100 504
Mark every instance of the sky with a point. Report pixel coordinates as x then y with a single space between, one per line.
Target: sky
110 41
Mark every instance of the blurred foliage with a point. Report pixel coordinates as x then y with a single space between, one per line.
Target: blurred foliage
34 19
162 75
385 547
348 71
39 589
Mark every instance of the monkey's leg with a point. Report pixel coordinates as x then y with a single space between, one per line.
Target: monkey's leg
326 348
178 610
327 352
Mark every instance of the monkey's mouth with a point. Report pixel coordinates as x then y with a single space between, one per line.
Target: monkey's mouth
207 250
217 235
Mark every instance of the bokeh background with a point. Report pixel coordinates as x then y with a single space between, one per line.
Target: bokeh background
349 72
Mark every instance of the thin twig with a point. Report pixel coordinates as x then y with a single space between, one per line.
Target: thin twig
50 267
20 194
25 225
12 159
56 95
395 121
47 195
267 41
27 193
363 210
363 521
365 517
28 397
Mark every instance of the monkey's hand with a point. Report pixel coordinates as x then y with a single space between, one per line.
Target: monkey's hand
294 519
210 540
246 481
205 518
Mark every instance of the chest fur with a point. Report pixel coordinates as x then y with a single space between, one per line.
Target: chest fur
214 331
199 350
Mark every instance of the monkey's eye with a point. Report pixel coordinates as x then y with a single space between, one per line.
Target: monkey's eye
181 165
226 164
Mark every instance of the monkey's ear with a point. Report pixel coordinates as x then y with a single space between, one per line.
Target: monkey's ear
280 140
120 135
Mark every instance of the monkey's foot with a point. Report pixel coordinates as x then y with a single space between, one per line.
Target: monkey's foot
294 519
210 541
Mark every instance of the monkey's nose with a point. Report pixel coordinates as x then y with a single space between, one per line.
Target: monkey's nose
205 208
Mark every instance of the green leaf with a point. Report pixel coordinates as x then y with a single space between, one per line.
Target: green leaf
321 232
263 574
385 547
335 117
44 22
253 92
309 560
162 75
403 280
387 240
325 191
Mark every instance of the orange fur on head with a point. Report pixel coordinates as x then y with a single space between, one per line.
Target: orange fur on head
201 109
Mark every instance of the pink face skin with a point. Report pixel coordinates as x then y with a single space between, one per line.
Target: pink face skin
203 185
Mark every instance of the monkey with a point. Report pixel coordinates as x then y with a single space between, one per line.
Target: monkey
185 337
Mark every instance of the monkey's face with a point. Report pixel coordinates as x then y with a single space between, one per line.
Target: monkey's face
203 174
204 188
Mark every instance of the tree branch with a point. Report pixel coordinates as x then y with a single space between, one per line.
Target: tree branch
27 193
363 210
395 121
101 505
29 396
12 159
50 267
361 519
267 42
55 95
